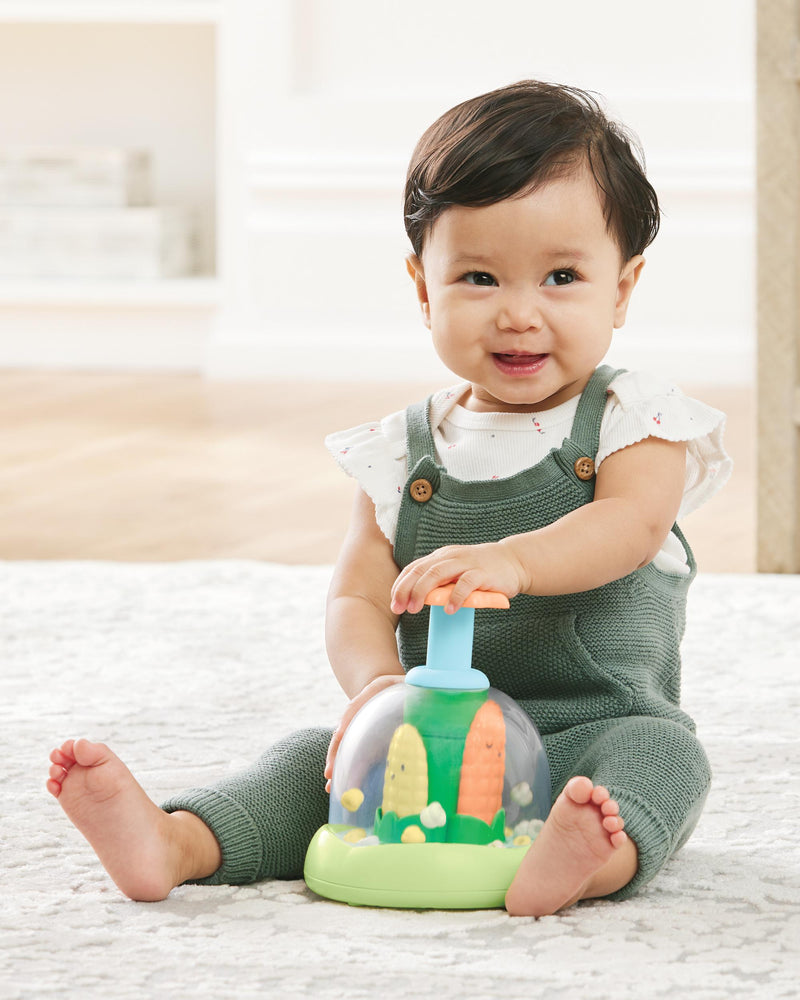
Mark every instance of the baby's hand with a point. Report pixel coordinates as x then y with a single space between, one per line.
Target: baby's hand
374 687
491 566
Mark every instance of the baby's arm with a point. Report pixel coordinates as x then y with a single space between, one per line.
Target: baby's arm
637 496
359 625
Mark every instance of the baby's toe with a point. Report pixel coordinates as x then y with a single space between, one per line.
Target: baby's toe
579 790
619 838
58 757
57 773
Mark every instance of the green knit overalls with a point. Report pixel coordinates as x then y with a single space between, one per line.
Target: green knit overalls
598 672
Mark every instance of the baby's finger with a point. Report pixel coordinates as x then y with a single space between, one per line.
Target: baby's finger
405 593
464 587
333 747
437 570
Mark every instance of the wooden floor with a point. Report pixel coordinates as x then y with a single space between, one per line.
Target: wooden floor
169 467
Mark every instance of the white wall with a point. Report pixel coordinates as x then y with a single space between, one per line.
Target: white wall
335 96
292 121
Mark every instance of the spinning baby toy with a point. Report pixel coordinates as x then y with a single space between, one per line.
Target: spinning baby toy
439 786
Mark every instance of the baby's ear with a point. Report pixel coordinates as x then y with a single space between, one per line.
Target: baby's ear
627 282
414 268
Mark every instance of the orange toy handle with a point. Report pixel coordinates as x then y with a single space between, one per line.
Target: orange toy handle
477 599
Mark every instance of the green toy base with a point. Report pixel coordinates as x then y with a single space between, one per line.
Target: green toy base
410 876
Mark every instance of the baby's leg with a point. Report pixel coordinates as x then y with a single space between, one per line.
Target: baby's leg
581 852
146 851
265 816
657 774
253 825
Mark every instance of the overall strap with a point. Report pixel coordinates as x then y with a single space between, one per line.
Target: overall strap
420 451
589 415
419 439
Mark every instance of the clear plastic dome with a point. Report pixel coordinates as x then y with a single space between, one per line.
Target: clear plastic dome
426 765
431 776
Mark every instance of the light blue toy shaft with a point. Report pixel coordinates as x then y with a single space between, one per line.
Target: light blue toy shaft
449 653
450 639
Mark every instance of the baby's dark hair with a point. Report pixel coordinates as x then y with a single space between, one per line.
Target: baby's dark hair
512 140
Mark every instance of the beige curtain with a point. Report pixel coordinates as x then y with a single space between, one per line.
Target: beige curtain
778 286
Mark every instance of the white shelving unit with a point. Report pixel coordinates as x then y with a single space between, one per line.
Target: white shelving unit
140 74
193 292
141 11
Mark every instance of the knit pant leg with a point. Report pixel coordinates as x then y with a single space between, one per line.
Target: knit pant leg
657 771
265 816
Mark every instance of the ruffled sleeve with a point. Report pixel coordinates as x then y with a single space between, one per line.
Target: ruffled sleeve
642 406
374 454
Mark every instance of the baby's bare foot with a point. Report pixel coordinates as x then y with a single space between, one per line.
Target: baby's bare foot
581 851
146 851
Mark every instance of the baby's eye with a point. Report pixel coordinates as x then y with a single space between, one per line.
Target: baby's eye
479 278
562 277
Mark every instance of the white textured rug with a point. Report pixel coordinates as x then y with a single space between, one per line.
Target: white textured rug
190 669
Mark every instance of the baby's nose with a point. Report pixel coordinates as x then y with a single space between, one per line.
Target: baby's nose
519 311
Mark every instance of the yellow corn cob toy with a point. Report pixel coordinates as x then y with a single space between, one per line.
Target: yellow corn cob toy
405 785
483 765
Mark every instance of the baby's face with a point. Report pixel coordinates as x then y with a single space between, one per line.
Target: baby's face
522 297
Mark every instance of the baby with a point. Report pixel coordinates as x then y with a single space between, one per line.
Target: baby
542 474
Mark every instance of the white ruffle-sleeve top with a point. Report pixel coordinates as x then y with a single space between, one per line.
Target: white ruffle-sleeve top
484 446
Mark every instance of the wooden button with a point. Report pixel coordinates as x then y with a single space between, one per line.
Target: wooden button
584 468
421 490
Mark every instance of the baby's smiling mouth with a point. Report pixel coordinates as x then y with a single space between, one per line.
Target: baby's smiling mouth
519 364
520 359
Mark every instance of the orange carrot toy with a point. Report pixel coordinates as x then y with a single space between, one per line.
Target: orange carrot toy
480 792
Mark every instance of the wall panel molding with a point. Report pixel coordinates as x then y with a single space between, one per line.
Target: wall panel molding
307 170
